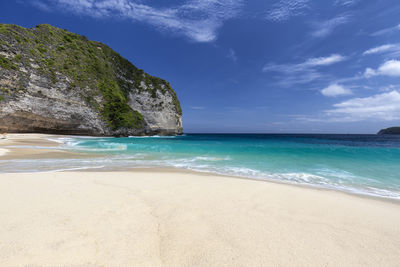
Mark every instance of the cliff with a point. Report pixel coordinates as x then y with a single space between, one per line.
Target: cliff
55 81
391 130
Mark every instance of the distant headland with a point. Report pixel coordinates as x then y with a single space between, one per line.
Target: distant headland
391 130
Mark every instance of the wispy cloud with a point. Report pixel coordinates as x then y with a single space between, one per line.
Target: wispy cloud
306 65
283 10
324 61
379 49
388 68
40 5
197 107
389 87
385 106
336 90
378 107
199 20
386 31
393 50
232 55
304 72
325 28
346 2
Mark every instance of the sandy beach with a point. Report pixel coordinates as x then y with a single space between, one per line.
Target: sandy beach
23 146
156 217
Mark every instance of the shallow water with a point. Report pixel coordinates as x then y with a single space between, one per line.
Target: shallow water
364 164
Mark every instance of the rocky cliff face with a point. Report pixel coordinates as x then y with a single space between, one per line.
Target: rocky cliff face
54 81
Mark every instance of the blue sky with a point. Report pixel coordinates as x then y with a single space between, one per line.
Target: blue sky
291 66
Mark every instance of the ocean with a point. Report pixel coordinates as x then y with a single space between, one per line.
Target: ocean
361 164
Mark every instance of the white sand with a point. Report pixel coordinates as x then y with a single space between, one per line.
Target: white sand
3 151
3 140
152 218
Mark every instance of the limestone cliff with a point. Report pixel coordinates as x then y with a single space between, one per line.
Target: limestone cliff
55 81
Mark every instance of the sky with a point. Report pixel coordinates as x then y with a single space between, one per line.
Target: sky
259 66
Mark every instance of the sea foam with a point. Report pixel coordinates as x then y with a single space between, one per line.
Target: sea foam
364 165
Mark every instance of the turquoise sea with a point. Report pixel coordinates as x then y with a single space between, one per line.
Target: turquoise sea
362 164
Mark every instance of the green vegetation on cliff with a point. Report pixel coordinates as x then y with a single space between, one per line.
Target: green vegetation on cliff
6 64
93 69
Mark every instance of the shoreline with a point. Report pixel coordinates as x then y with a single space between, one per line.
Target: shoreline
179 217
278 182
47 140
22 146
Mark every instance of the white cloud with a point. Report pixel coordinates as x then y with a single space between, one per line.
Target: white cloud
306 65
383 49
386 31
300 78
388 68
39 4
324 61
325 28
346 2
385 106
283 10
232 55
197 107
198 20
304 72
388 88
336 90
369 73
